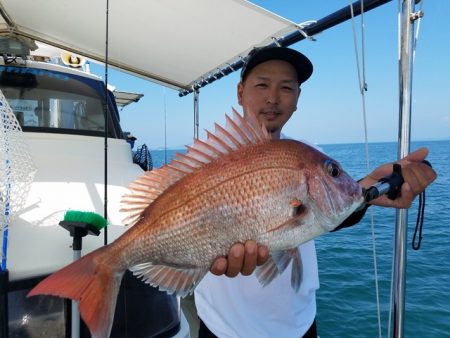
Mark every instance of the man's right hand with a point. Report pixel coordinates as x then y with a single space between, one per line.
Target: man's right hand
241 258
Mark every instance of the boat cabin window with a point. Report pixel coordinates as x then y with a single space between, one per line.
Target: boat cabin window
50 101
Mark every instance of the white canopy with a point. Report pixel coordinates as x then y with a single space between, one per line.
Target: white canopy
171 42
125 98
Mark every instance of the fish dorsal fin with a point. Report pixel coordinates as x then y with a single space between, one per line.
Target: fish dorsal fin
239 132
178 281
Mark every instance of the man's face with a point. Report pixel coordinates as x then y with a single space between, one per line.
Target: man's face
270 91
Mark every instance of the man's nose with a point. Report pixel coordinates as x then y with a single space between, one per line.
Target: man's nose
272 96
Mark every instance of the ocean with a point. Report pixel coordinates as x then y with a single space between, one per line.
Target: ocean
346 300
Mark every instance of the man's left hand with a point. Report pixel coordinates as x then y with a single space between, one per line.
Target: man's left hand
417 176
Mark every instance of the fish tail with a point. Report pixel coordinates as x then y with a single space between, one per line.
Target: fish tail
93 284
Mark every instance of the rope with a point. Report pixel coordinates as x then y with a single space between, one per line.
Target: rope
363 89
419 222
300 27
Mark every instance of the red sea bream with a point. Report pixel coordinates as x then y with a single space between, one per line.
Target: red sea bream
236 186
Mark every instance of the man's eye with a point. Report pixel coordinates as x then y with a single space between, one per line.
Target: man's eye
261 85
287 88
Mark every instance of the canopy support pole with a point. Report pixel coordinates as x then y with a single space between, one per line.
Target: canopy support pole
196 113
404 138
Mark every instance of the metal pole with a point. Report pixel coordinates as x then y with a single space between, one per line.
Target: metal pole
75 332
405 78
106 112
321 25
196 114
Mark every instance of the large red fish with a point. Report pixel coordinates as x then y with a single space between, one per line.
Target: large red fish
236 186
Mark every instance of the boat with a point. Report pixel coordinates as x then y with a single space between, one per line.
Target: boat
70 121
81 159
60 109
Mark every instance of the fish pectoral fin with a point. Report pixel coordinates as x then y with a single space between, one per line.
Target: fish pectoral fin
296 207
174 280
292 222
281 260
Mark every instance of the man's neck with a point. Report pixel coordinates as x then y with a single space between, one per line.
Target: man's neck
276 135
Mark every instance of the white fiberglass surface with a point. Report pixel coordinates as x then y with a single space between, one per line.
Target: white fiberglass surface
70 175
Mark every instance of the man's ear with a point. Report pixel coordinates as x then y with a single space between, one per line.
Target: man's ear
240 89
298 96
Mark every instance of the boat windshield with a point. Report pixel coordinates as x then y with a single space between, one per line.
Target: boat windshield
50 101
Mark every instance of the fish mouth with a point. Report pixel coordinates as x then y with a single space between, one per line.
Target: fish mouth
364 193
360 196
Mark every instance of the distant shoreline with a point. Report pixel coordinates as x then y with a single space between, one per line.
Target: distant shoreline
378 142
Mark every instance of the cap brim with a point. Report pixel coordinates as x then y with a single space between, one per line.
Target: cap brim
300 62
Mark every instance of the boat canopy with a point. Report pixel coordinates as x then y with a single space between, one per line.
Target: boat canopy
170 42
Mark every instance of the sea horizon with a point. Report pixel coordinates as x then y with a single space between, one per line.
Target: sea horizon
182 147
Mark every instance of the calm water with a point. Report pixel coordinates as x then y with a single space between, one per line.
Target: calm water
347 298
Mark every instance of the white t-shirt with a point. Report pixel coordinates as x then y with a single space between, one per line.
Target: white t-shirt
241 307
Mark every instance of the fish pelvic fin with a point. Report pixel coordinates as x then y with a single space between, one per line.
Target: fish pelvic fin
239 132
267 272
297 269
94 286
277 263
173 280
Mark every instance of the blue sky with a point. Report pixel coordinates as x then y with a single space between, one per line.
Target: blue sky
330 108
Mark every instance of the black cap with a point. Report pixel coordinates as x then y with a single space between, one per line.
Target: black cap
299 61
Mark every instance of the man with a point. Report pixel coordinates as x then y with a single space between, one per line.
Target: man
240 306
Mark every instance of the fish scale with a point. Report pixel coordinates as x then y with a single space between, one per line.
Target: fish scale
239 185
240 189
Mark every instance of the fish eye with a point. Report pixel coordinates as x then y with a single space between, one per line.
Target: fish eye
332 168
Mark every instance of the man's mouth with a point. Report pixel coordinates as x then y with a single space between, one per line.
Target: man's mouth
269 115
